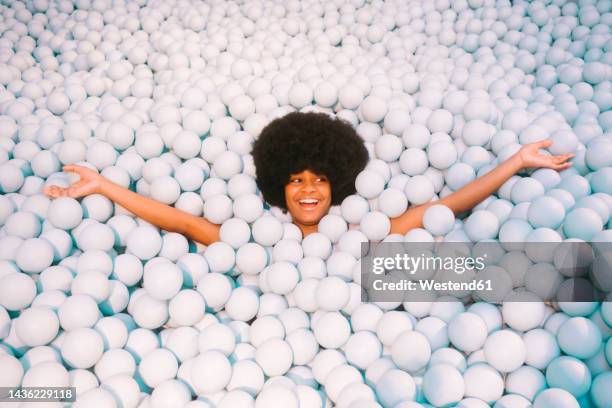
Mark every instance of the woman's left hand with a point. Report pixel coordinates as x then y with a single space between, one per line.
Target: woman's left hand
530 156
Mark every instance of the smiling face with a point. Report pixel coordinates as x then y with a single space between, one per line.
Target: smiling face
308 197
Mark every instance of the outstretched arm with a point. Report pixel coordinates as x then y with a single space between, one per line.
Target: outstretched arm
473 193
163 216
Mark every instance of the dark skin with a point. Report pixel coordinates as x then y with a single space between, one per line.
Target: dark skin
307 196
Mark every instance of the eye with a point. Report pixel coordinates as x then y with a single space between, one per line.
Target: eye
322 179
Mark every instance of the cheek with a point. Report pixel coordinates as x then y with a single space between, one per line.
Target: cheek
327 192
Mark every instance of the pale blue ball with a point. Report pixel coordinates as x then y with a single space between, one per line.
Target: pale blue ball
457 236
601 181
579 337
578 308
594 72
605 235
442 155
418 235
476 157
600 390
605 120
541 253
564 197
459 174
438 219
519 211
577 185
582 223
546 211
481 224
502 139
526 189
599 155
489 313
597 204
548 177
606 312
514 230
413 161
419 190
555 398
501 208
511 401
443 385
525 381
608 351
570 374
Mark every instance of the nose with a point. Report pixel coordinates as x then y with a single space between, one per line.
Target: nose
309 186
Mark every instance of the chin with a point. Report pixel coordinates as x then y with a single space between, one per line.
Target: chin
310 219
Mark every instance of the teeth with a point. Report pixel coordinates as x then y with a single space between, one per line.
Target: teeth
309 201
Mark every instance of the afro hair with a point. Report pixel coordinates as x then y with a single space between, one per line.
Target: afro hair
308 141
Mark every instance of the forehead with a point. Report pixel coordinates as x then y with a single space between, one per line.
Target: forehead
306 173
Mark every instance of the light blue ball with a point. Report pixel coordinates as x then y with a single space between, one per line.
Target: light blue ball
543 234
601 181
599 155
564 197
564 141
526 189
570 374
569 110
605 235
439 219
597 204
582 223
577 185
579 337
458 235
606 312
594 72
601 390
519 211
578 308
608 351
512 401
605 120
418 235
525 381
514 230
548 177
459 174
546 211
476 157
501 208
555 398
481 225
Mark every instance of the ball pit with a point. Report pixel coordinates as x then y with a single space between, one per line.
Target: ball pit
167 98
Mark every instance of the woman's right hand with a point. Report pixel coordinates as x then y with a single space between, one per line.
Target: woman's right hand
90 183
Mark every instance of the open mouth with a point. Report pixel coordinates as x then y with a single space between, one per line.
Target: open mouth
308 203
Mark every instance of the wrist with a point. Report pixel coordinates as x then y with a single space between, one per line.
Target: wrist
102 186
517 161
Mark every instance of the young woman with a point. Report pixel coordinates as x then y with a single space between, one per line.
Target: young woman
305 163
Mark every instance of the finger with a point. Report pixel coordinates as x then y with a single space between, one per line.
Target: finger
559 159
53 191
563 166
72 192
544 143
70 168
